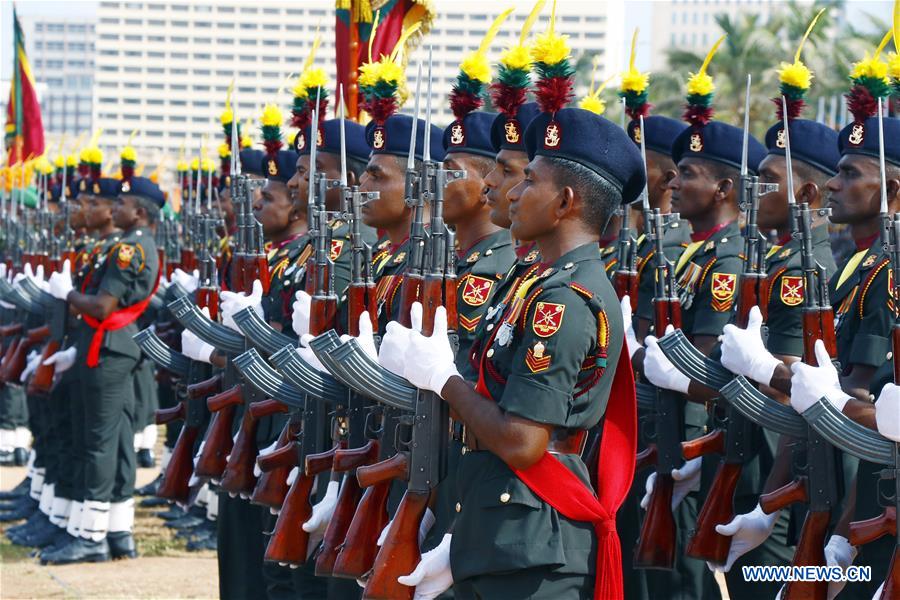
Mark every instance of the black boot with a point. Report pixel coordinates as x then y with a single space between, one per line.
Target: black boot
7 458
207 541
39 526
186 522
150 488
20 457
145 458
79 551
153 502
61 540
172 513
22 511
121 544
20 490
41 537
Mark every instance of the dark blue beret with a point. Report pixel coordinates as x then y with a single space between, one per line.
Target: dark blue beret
862 138
393 138
251 161
718 142
659 133
592 141
811 142
330 139
71 190
105 187
143 186
281 167
473 135
509 134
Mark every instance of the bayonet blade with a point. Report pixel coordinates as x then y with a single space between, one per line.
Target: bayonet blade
746 140
343 138
313 143
411 157
645 195
426 151
787 152
881 167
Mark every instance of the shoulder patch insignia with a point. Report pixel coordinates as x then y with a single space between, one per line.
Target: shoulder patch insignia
477 290
535 358
124 256
336 247
792 290
870 260
399 258
547 318
724 286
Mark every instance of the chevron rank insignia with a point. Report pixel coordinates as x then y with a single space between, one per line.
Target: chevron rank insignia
469 324
724 286
547 318
477 290
336 247
792 290
536 359
124 256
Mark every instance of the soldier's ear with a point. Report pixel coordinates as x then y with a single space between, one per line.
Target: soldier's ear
809 193
724 188
893 186
566 201
667 177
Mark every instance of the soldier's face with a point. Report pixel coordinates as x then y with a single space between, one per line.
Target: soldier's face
855 190
385 176
773 207
76 213
532 202
660 172
509 171
275 210
125 212
99 212
693 189
464 200
227 207
298 184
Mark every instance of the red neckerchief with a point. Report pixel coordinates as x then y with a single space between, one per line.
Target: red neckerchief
606 241
523 249
866 242
699 236
284 243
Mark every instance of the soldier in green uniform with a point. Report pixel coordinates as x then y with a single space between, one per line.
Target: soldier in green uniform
114 294
546 375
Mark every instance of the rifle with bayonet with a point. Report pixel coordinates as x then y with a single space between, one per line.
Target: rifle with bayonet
625 277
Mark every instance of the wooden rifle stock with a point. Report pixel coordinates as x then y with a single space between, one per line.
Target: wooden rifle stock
218 444
450 299
10 330
238 477
646 458
255 267
286 456
12 369
718 509
656 545
711 443
818 325
668 312
272 487
784 496
395 467
891 587
174 484
357 554
626 282
432 298
322 314
360 297
810 552
205 388
400 552
209 298
348 499
188 260
864 532
42 379
409 293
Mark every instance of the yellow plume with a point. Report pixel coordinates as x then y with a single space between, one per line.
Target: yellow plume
701 84
492 31
632 79
476 65
372 33
884 42
407 33
529 22
710 55
312 52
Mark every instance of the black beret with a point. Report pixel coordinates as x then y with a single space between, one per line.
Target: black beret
811 142
509 134
144 187
862 138
659 133
281 167
472 136
105 187
71 190
393 138
717 142
329 139
251 161
586 138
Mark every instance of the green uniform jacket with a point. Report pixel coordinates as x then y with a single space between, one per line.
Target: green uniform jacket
479 271
388 267
555 367
863 308
125 266
676 237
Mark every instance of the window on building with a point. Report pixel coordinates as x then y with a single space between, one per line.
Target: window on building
294 12
201 88
202 8
132 69
156 70
293 27
226 25
249 26
179 7
202 72
249 10
177 102
202 56
271 26
178 71
134 22
317 12
109 84
39 27
177 118
55 46
54 64
202 24
271 11
269 90
178 39
109 69
133 85
178 55
132 100
39 45
155 85
156 6
271 43
247 57
178 87
294 43
248 42
156 23
225 57
109 21
200 104
179 23
225 9
202 40
156 54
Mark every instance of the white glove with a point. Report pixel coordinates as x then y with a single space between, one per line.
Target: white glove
307 354
809 384
32 362
61 283
7 305
195 348
660 370
396 339
233 302
429 361
300 315
744 353
432 576
687 480
425 526
2 270
322 511
838 553
746 531
630 338
64 359
292 476
257 472
887 412
366 336
878 592
189 281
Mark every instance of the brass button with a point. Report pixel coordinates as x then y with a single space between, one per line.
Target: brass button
458 507
490 327
488 252
504 497
568 266
490 352
464 450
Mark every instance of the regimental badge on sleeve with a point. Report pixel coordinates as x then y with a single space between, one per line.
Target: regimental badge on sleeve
477 290
792 290
124 255
724 286
536 359
547 318
336 247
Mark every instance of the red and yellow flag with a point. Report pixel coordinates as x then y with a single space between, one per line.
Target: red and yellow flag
24 129
353 28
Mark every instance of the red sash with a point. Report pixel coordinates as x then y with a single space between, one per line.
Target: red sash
117 320
556 485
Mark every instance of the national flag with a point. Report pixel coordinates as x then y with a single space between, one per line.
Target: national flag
24 129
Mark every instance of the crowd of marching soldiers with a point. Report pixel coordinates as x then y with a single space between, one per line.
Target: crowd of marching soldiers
533 354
